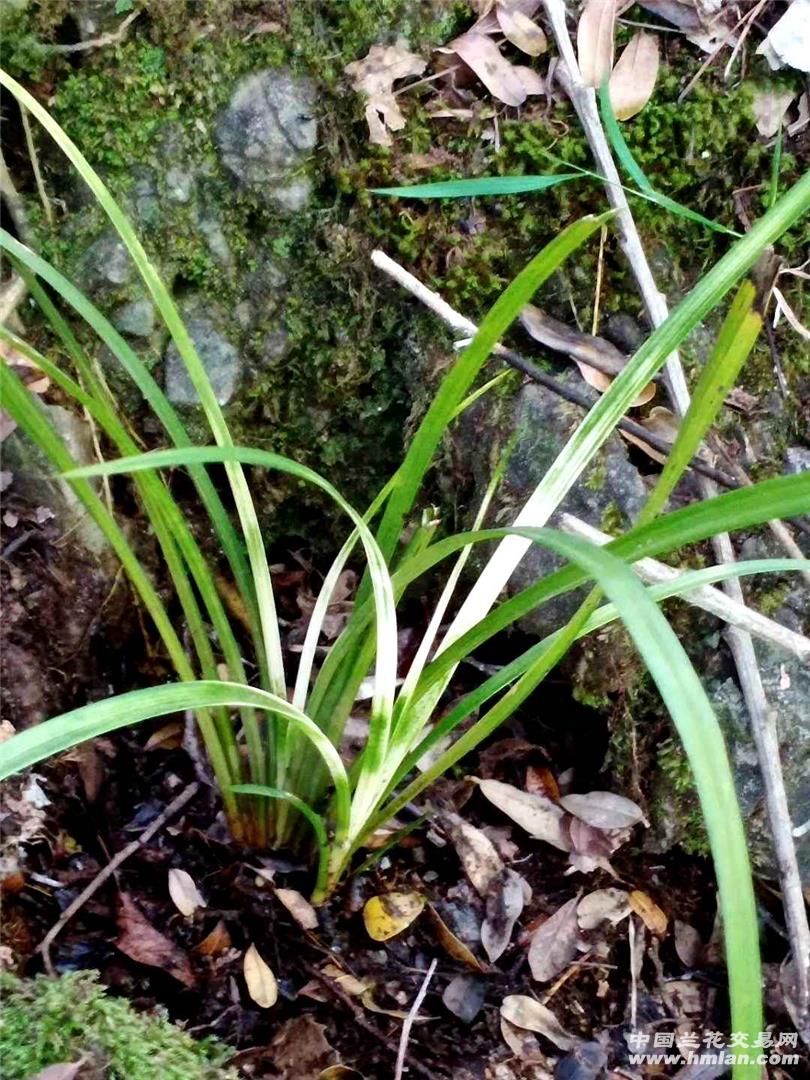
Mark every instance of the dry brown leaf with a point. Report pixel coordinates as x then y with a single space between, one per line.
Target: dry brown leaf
183 890
533 82
649 912
632 81
140 941
259 979
554 944
595 41
167 737
538 815
688 943
482 863
464 997
375 76
603 809
661 422
299 907
769 107
300 1050
217 942
340 1072
504 905
387 915
541 781
349 983
452 945
482 55
602 905
524 1012
522 31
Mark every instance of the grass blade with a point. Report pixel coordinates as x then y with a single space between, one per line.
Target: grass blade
483 185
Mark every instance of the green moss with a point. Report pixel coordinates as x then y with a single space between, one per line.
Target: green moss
51 1021
676 798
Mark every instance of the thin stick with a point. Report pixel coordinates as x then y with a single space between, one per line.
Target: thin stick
583 99
34 157
111 38
174 807
707 597
412 1014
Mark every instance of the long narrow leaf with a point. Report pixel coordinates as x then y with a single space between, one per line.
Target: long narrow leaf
483 185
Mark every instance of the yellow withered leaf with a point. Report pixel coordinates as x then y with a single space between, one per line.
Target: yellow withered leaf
649 912
388 915
260 980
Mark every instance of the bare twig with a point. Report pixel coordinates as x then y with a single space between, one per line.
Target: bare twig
408 1024
11 296
174 807
736 614
113 37
583 99
32 154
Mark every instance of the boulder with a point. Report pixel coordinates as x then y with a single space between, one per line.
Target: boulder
219 357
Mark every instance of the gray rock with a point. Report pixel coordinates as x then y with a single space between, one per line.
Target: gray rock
215 238
143 196
275 344
96 17
265 132
612 485
107 263
797 460
137 318
219 357
179 183
264 286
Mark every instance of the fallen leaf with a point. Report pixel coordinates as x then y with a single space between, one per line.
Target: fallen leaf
525 1012
349 983
340 1072
595 41
586 1061
375 76
533 82
632 80
216 942
387 915
602 905
554 944
649 912
603 809
451 944
300 1049
141 942
482 55
482 863
661 422
183 890
769 107
681 13
541 781
524 1045
504 905
167 737
522 31
60 1072
367 998
538 815
259 979
688 943
464 997
588 840
299 907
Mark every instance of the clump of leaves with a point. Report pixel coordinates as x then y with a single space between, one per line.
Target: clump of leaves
63 1021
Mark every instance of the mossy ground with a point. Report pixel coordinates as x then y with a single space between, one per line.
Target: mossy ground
60 1021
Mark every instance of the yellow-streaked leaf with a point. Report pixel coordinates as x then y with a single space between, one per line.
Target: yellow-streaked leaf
183 890
595 40
632 81
387 915
649 912
260 980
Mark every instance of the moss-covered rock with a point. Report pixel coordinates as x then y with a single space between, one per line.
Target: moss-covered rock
61 1021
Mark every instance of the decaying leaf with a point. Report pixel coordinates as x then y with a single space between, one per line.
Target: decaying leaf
525 1045
602 905
532 81
632 80
554 943
649 912
464 997
522 31
375 76
769 107
183 890
60 1072
451 944
387 915
788 40
584 349
349 983
299 907
541 781
538 815
525 1012
141 942
661 422
504 905
259 979
595 40
340 1072
482 863
603 809
216 942
482 55
167 737
688 943
300 1049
